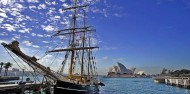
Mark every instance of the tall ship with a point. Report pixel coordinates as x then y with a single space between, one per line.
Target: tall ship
78 56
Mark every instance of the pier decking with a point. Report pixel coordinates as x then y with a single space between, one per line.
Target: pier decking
183 82
19 89
8 78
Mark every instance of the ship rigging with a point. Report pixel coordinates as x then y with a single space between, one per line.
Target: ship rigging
82 75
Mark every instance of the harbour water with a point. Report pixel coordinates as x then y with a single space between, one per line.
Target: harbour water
135 86
138 86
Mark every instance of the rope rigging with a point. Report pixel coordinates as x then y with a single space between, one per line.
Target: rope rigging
22 64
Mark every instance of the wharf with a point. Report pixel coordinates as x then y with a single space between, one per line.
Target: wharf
183 82
19 88
8 78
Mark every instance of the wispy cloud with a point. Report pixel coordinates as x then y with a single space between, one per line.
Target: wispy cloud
33 1
121 59
110 48
8 27
3 41
35 46
27 43
25 30
40 35
3 34
3 15
24 20
48 28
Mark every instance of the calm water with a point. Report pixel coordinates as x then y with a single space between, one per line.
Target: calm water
138 86
135 86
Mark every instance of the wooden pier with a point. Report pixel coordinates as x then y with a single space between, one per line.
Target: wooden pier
19 89
183 82
8 78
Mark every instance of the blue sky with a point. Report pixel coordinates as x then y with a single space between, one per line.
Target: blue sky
146 34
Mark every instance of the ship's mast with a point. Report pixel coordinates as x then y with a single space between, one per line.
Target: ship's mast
73 40
83 44
73 31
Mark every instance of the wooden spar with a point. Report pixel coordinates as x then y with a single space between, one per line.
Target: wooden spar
29 60
74 28
58 34
75 7
72 49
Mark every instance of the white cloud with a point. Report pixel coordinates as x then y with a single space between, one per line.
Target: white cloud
111 48
26 37
40 35
21 31
47 2
65 22
51 10
32 7
119 59
33 34
15 13
61 11
45 41
117 15
94 41
48 28
1 10
35 46
27 43
1 41
65 5
53 3
3 15
3 34
46 35
13 39
25 30
6 2
16 36
105 58
105 12
33 1
62 0
27 17
1 20
46 58
19 6
42 6
56 17
8 27
95 10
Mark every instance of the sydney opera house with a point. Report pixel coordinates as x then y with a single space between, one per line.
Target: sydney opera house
121 71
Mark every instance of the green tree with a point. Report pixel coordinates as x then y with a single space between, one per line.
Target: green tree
1 64
7 66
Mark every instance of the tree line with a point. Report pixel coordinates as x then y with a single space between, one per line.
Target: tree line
182 72
6 66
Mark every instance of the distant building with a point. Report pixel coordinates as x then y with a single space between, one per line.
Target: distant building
141 73
121 69
132 69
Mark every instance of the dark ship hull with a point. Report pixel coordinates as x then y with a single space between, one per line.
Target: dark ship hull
72 88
